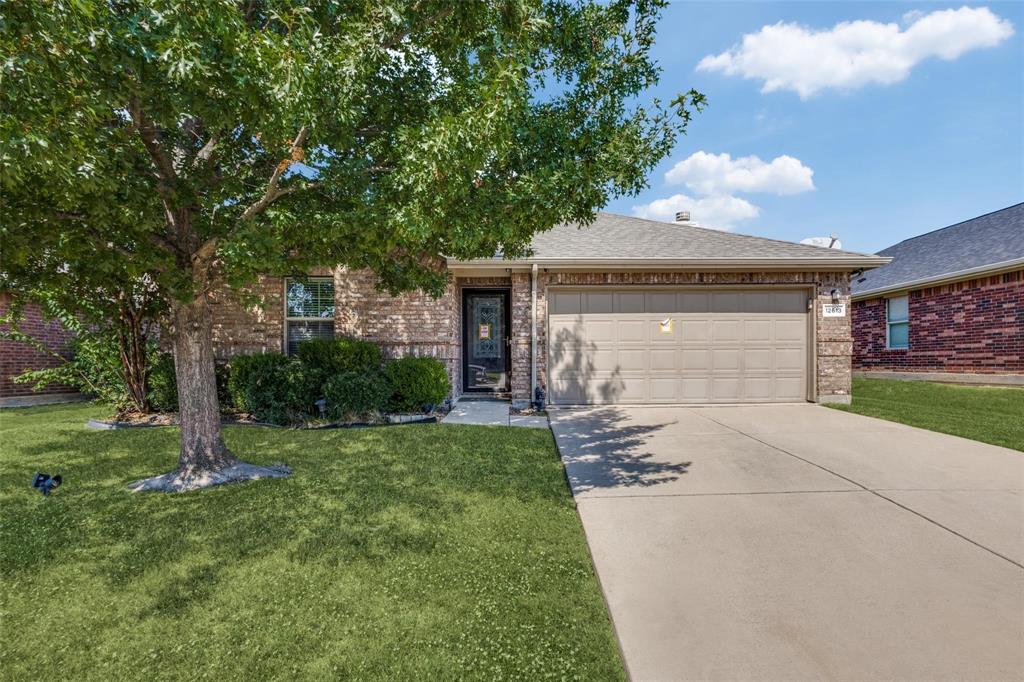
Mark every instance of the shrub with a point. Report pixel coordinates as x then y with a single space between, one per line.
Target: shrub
416 382
163 384
271 387
355 395
325 358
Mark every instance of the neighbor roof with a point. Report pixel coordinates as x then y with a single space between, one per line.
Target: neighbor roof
991 242
622 240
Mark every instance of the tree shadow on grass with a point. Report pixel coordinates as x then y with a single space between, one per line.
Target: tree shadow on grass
602 449
356 497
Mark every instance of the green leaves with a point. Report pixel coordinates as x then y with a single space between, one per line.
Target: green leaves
133 134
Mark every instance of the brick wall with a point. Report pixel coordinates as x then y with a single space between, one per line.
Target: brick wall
16 358
416 324
251 322
974 326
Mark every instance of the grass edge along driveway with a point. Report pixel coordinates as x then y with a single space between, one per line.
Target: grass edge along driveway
993 415
412 552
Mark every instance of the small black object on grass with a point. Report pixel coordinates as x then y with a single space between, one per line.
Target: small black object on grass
44 483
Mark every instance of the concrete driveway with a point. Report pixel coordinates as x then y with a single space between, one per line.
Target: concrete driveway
781 542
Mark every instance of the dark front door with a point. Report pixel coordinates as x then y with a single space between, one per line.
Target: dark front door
485 340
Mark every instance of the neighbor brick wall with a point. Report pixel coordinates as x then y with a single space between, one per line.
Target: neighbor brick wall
974 326
833 342
17 358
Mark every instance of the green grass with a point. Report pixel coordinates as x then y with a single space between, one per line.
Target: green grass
413 552
989 415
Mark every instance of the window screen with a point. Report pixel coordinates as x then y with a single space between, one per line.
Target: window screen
309 311
898 322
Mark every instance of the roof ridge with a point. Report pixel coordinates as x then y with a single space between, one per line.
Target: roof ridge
940 229
727 233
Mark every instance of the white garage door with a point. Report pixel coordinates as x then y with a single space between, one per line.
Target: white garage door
686 346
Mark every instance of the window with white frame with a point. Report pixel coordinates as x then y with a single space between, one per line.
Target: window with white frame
309 311
897 322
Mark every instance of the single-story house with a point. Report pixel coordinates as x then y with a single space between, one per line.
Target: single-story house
949 306
623 310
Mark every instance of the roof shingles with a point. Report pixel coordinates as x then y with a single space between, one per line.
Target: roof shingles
993 238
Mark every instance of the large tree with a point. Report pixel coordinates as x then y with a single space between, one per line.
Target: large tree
209 141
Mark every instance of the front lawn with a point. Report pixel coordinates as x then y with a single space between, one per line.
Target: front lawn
987 414
412 552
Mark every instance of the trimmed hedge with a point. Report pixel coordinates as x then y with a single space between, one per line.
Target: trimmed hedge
334 356
272 388
416 383
356 395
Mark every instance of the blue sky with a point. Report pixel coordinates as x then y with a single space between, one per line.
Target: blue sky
906 122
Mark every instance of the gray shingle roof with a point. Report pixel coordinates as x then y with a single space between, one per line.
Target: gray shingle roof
995 237
613 236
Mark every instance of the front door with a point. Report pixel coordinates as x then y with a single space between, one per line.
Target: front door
485 340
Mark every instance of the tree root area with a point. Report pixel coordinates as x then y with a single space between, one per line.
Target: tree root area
184 481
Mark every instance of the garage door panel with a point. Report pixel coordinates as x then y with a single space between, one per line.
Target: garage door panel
696 360
792 330
726 331
614 346
790 359
695 331
757 360
565 303
725 389
757 388
664 359
661 302
632 360
755 331
664 390
599 302
631 331
695 389
598 329
790 389
725 360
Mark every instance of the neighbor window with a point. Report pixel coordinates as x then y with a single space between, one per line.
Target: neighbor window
309 311
897 316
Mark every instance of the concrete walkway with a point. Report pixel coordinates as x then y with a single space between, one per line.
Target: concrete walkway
797 542
491 413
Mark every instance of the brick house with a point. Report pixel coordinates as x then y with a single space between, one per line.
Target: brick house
17 357
624 310
950 306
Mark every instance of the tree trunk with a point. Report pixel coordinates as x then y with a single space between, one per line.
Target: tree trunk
203 458
202 448
132 345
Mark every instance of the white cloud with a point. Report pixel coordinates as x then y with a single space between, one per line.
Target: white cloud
788 56
721 174
719 212
822 241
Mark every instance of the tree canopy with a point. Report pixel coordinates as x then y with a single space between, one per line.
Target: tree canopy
189 142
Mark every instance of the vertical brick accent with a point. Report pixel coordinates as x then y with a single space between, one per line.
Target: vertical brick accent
520 303
974 326
17 358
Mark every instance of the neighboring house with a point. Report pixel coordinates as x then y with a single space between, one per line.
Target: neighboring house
18 357
950 304
624 310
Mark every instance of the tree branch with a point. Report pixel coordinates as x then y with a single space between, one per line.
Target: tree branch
272 192
151 141
399 37
204 154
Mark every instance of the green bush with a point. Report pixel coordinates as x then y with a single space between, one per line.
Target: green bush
163 384
326 358
416 382
271 387
356 395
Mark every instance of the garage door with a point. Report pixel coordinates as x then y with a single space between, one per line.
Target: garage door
687 346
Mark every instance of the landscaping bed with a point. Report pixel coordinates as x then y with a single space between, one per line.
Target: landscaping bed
986 414
422 552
